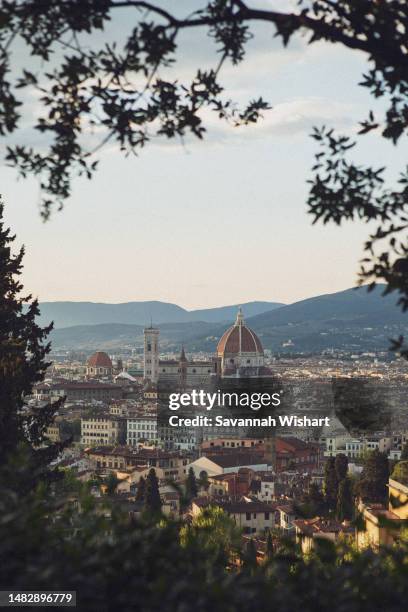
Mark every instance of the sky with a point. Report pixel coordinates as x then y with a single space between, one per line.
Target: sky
223 221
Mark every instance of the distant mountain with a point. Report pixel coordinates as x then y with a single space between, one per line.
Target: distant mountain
67 314
354 319
229 313
355 305
351 320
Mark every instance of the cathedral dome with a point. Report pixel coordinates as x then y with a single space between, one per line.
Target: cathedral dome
239 339
99 360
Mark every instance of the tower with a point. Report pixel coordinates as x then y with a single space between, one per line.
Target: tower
183 369
151 354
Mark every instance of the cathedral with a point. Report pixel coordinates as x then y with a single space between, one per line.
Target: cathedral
239 354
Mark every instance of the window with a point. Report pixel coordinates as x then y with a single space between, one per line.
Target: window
266 516
248 516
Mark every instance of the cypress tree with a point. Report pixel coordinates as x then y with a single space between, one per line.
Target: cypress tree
341 465
330 483
191 485
345 505
204 482
141 488
152 501
269 546
315 499
111 483
23 352
249 561
374 478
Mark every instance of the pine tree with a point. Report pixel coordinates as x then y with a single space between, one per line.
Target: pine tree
191 485
141 488
330 483
23 352
341 465
345 504
374 478
152 501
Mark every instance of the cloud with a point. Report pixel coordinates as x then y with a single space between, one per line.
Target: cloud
285 120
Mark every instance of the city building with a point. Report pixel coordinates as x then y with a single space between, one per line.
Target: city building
252 516
141 428
309 530
77 391
99 365
222 464
239 353
102 429
179 372
168 464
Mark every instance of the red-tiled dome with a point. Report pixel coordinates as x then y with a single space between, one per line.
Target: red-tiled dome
239 339
99 360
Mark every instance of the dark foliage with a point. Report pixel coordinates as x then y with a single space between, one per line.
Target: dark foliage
341 466
374 478
23 352
191 484
249 562
269 546
331 483
114 564
313 502
345 500
404 453
152 500
141 488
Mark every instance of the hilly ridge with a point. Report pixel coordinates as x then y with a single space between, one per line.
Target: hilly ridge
353 319
68 314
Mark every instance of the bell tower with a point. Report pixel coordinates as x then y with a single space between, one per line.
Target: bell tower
151 354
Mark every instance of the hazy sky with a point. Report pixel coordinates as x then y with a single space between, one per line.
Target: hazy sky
215 222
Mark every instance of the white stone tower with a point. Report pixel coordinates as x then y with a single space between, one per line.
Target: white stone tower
151 354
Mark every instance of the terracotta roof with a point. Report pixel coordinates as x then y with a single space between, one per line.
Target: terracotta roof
318 525
71 385
237 459
287 508
99 360
239 339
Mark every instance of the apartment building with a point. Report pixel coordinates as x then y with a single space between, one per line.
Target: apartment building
102 429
